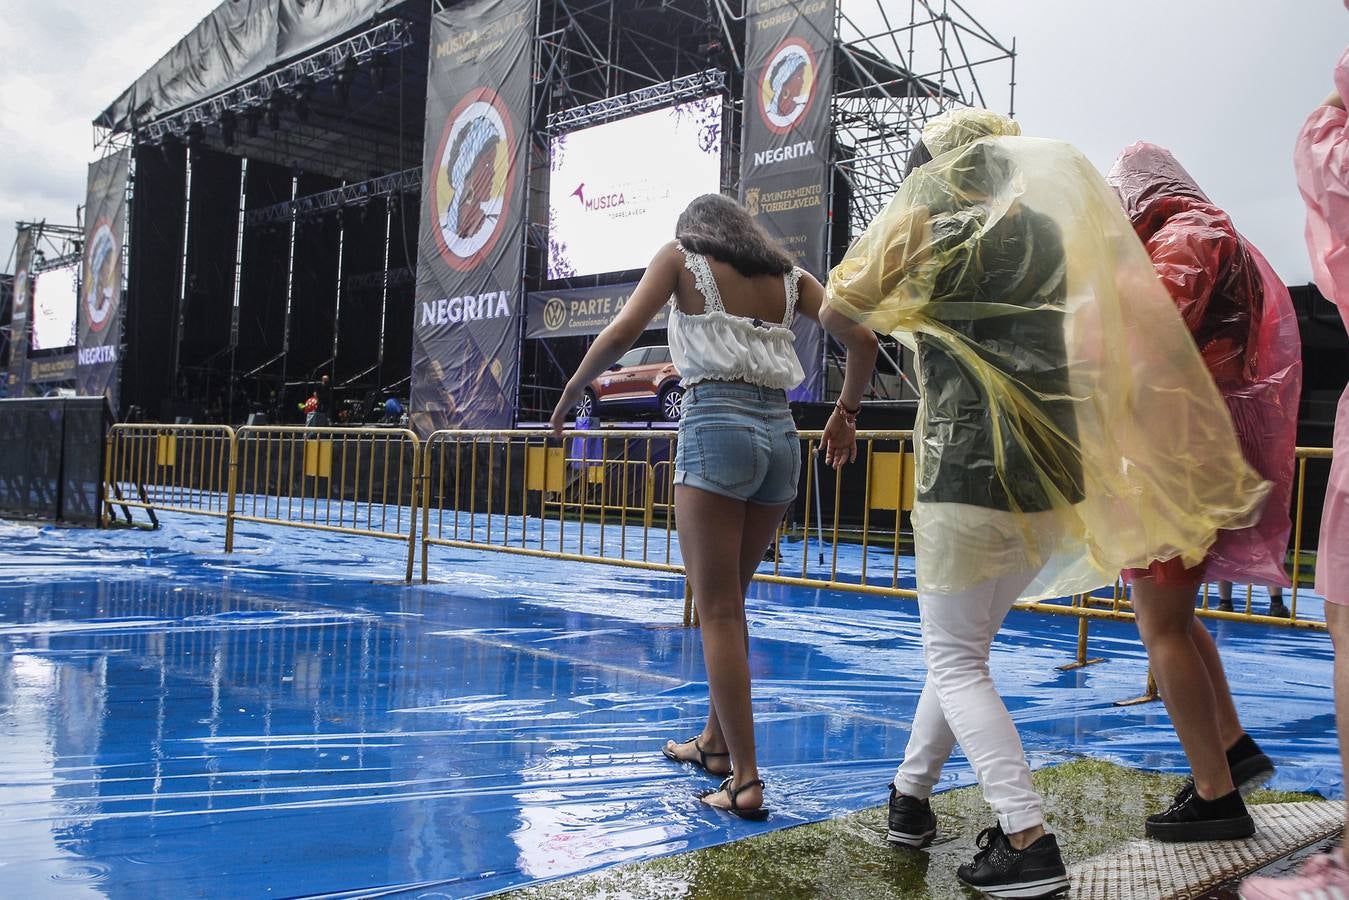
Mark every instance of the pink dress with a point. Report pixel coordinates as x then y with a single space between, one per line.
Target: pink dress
1322 163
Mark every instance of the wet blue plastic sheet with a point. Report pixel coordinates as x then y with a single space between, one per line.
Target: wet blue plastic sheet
288 722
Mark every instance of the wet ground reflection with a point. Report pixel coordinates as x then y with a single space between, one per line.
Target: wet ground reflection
177 724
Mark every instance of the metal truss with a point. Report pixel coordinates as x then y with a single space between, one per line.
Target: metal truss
252 96
55 246
688 87
597 60
409 181
895 69
107 141
594 50
897 65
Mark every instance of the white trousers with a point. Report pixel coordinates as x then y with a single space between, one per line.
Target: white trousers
959 704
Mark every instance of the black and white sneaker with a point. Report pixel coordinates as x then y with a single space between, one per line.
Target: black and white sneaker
1192 818
1001 871
911 820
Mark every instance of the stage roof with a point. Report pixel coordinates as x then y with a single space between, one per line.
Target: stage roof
240 40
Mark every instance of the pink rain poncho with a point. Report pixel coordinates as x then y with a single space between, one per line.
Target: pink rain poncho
1242 319
1321 159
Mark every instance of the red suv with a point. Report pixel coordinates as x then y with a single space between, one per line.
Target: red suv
644 379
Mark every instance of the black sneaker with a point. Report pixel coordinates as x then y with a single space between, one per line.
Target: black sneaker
1278 610
1001 871
911 820
1224 605
1191 818
1249 765
1251 768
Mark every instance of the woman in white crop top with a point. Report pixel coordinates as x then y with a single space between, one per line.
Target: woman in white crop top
737 463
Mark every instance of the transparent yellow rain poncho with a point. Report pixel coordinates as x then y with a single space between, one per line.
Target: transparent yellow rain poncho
1068 427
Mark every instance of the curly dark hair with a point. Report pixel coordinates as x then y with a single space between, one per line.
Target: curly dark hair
717 226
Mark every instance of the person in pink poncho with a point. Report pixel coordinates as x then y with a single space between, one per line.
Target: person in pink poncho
1321 159
1242 321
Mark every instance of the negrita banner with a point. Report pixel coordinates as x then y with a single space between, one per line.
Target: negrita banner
100 311
784 166
465 344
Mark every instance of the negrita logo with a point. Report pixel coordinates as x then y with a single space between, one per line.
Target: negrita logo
471 193
787 85
102 277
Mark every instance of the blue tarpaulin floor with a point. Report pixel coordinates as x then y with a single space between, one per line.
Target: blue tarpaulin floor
291 720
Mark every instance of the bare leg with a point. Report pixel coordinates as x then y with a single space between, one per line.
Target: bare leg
713 533
1337 619
1165 618
757 517
1229 723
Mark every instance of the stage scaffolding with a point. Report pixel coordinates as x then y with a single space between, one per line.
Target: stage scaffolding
897 64
345 115
893 73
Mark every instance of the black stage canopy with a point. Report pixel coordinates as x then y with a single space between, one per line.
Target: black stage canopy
239 40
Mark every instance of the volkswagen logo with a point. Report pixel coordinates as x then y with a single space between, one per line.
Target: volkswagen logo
554 314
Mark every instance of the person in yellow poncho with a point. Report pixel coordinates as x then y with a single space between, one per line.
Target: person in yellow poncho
1068 430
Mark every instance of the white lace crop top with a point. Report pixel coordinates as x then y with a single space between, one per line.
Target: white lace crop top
717 346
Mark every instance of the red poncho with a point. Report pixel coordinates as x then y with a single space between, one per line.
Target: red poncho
1241 317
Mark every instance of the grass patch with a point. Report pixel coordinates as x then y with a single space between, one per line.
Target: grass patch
1092 806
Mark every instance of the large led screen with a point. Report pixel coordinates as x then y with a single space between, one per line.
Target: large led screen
616 189
54 303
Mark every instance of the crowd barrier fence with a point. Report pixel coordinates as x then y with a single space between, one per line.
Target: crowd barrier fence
602 496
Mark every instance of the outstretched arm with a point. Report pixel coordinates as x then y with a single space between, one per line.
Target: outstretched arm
653 292
840 432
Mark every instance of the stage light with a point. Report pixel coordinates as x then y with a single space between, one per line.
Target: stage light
379 67
275 103
346 74
229 122
300 93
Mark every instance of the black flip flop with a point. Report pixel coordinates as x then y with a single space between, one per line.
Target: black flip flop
753 815
701 761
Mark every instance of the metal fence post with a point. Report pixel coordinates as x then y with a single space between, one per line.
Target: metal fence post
418 462
232 486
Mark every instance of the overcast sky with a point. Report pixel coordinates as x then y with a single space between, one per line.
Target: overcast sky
1224 83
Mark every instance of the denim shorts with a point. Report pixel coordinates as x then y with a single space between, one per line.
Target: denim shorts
738 440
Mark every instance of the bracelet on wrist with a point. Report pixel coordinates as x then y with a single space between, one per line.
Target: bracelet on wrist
849 415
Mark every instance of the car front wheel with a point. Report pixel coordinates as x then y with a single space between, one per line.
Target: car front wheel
672 403
586 408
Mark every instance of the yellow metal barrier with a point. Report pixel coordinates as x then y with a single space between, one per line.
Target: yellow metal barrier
361 481
603 496
521 492
177 468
